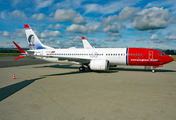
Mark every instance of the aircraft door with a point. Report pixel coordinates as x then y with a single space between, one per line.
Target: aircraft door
150 55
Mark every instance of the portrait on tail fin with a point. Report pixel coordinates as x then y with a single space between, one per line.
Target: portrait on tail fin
31 40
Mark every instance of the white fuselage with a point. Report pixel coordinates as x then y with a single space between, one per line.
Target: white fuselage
115 56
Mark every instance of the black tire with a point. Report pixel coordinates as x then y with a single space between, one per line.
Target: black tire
82 68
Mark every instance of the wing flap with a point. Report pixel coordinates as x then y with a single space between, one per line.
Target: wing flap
76 59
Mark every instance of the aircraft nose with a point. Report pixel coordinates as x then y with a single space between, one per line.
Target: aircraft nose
169 59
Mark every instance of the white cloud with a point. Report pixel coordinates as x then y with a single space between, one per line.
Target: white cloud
115 34
3 14
127 12
112 28
154 37
42 40
58 42
75 39
107 21
5 33
153 18
171 37
64 15
77 29
43 3
57 26
66 4
18 14
39 16
79 19
20 33
112 39
48 33
109 8
140 39
93 28
170 4
37 33
51 39
83 29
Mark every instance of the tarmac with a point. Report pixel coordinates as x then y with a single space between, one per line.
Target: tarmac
49 91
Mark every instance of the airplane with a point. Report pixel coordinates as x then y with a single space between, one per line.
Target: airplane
96 59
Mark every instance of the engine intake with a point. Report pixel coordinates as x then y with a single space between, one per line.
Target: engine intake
99 65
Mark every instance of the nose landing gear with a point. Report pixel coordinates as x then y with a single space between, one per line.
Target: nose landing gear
153 70
149 68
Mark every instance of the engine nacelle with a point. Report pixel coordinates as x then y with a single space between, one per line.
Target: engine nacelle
99 65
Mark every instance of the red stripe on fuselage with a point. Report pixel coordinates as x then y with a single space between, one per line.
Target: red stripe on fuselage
145 57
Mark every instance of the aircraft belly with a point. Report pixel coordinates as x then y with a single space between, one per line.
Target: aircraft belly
56 60
118 61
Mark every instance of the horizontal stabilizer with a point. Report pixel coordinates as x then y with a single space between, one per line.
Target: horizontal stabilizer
19 57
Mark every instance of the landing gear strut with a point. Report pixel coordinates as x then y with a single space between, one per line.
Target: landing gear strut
82 68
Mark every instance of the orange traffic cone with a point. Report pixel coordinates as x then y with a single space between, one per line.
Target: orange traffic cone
14 76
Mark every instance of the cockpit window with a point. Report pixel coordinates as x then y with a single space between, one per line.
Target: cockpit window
161 54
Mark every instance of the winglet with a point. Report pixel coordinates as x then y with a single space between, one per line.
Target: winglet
83 38
86 43
26 26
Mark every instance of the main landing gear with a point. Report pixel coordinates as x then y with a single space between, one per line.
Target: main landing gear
82 68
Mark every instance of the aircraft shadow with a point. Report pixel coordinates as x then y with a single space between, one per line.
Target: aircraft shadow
72 67
59 66
7 91
138 69
111 70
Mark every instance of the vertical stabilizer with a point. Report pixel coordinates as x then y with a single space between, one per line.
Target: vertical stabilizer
33 41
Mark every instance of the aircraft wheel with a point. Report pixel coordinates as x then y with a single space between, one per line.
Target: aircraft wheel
82 68
153 71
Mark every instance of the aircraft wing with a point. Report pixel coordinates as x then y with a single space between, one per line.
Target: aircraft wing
72 58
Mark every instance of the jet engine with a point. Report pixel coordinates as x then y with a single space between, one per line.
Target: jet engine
99 65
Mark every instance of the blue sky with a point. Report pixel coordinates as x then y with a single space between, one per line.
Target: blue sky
112 23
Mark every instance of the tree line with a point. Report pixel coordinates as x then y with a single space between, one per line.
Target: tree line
169 52
9 51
